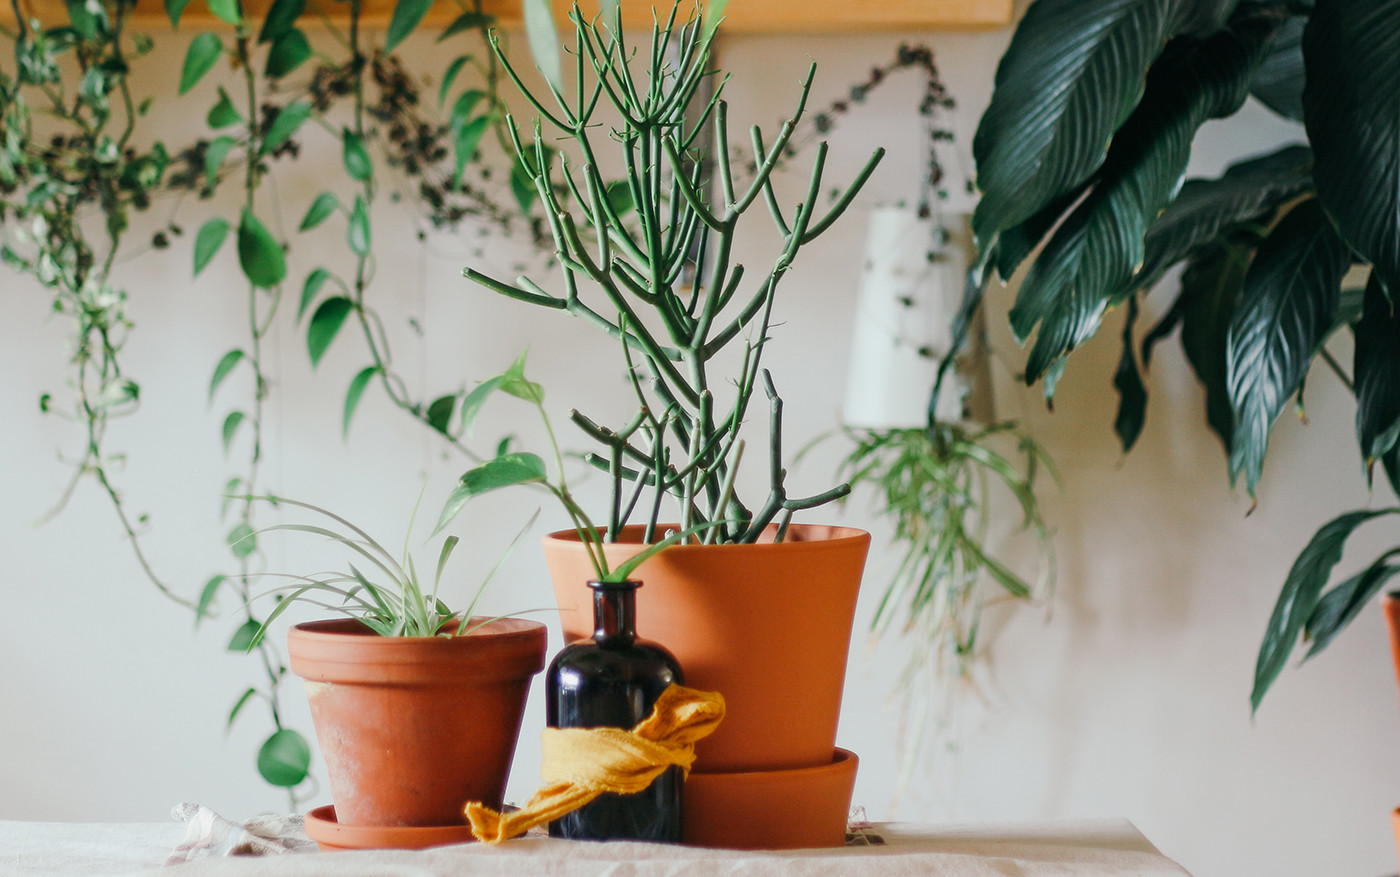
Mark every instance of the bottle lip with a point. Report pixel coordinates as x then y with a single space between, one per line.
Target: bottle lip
627 585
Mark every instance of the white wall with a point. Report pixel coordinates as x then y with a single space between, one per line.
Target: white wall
1129 699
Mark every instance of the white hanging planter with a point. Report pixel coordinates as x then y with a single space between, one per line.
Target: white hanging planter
910 290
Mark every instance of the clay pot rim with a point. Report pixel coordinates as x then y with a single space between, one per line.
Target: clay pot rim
842 760
344 650
800 537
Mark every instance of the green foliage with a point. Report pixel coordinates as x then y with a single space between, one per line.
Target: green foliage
1083 148
325 325
683 441
207 242
285 758
200 58
407 16
938 486
259 254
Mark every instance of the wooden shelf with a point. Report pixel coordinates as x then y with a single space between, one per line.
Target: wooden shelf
741 16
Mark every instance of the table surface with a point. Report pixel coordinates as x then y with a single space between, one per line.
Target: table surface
1074 848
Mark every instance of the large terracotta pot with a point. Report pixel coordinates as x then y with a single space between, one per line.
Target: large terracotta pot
411 728
767 625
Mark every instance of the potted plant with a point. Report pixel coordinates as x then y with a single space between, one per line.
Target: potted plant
756 607
417 707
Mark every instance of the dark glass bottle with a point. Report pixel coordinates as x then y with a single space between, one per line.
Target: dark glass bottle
613 681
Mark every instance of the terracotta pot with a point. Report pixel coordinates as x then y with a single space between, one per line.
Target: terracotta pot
411 728
766 625
771 810
1392 618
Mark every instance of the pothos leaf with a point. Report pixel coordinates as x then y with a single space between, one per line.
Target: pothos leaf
354 156
231 424
439 413
309 290
207 242
203 51
324 205
291 50
325 325
281 17
226 364
289 119
285 758
352 396
407 16
259 255
357 233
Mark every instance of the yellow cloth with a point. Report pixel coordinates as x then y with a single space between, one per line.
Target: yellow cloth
582 763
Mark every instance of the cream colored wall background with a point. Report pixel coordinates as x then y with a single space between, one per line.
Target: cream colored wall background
1131 699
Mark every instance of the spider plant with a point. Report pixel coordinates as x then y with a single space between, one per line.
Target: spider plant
937 483
391 599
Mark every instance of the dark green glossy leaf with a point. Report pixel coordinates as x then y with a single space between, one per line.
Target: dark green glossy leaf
214 158
356 159
1210 292
504 471
226 364
1091 259
1340 606
289 119
1298 599
284 759
407 15
87 21
352 396
230 429
449 76
462 107
544 40
1278 84
314 281
223 113
259 255
204 50
281 17
243 637
238 706
1391 463
1073 72
1376 373
324 205
325 325
1288 305
1015 244
468 137
1248 191
357 234
1127 380
439 413
1352 112
291 50
225 10
466 21
207 242
174 9
206 598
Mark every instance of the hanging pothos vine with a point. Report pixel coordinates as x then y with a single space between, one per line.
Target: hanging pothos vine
70 182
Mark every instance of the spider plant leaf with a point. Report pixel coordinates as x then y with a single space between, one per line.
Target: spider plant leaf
1351 109
1091 259
448 545
1288 305
620 572
1377 375
1299 597
284 758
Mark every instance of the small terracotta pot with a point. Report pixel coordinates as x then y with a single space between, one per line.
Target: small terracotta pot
771 810
1392 618
767 625
412 728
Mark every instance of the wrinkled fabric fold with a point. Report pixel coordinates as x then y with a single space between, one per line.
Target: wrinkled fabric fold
582 763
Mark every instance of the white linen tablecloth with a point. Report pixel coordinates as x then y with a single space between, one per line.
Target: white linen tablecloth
1073 848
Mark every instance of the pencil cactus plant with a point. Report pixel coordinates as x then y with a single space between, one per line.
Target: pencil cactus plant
651 263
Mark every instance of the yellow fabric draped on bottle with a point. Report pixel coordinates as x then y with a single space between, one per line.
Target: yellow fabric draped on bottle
582 763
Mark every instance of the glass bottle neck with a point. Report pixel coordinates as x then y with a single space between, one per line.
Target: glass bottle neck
614 612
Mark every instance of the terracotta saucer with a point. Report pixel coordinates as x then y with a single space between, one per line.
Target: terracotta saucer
800 808
322 827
